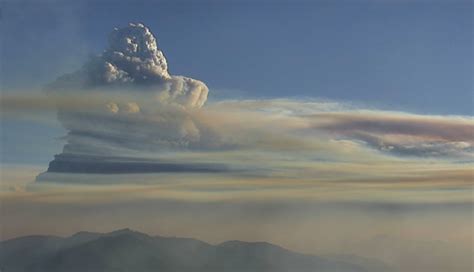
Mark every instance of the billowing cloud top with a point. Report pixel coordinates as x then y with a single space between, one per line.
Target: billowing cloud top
133 55
134 60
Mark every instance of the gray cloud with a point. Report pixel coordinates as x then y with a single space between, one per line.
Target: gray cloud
135 104
134 61
443 128
404 134
69 163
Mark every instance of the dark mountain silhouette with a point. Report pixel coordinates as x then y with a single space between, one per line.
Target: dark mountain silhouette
127 250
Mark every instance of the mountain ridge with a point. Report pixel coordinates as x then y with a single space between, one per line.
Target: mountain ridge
129 250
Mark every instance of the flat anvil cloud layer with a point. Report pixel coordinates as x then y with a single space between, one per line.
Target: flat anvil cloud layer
404 134
387 132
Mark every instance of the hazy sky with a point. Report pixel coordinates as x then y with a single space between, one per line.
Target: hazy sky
330 126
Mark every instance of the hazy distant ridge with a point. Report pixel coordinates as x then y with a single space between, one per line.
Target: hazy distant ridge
127 250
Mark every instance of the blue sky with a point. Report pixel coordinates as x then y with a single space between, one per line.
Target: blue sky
409 55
